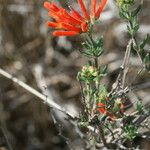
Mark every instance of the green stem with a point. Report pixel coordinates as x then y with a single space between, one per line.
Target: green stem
88 97
95 58
135 40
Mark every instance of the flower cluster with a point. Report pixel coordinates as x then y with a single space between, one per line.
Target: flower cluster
88 73
72 23
112 110
125 4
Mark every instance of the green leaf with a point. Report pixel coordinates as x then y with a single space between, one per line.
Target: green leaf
137 10
100 42
134 24
145 41
103 70
136 27
130 132
147 61
139 107
130 30
123 15
87 53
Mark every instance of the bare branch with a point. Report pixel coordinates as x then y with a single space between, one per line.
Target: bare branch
41 96
36 93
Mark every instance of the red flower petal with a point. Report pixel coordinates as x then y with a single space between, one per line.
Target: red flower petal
51 7
54 15
70 27
64 16
84 27
65 33
83 9
75 14
100 8
72 23
53 24
101 108
63 25
93 7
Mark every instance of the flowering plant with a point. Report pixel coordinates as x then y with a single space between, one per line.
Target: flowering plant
72 22
103 110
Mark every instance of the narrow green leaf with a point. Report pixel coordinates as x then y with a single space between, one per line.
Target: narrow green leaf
145 41
137 10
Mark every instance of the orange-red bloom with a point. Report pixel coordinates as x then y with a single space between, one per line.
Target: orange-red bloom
72 23
117 108
102 109
100 8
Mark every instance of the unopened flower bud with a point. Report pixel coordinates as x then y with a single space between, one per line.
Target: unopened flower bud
88 73
118 106
125 3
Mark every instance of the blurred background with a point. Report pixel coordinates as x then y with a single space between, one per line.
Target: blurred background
50 64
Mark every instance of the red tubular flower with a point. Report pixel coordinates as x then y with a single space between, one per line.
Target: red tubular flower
116 111
72 23
93 7
100 8
75 14
101 109
51 6
65 33
83 9
63 25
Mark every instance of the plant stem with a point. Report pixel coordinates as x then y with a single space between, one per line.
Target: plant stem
88 105
95 58
31 90
135 40
96 62
102 135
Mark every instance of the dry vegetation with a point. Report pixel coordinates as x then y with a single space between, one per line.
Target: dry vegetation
50 65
